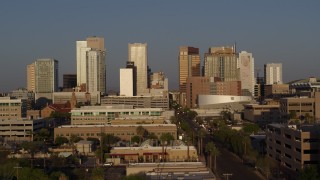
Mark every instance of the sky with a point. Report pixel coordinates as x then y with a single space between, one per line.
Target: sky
273 31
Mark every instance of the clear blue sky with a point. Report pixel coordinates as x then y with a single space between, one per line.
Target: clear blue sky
274 31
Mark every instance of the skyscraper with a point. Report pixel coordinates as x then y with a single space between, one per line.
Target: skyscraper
42 76
138 53
273 73
246 67
189 65
31 78
221 62
91 70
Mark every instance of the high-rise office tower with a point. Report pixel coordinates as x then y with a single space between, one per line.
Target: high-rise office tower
221 62
31 78
69 80
189 65
44 72
138 53
91 53
246 68
273 73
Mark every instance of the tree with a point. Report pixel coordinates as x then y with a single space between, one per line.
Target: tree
293 115
152 136
141 132
74 139
60 140
213 151
201 135
165 138
98 173
42 135
135 139
250 128
309 172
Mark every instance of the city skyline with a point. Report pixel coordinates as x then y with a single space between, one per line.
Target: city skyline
274 32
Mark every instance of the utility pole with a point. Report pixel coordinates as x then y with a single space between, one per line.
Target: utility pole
227 175
17 167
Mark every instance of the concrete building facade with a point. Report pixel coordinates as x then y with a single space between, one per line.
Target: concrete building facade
126 82
273 73
189 65
12 108
293 147
246 68
138 53
124 132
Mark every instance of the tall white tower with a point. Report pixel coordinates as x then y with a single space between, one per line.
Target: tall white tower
246 68
91 64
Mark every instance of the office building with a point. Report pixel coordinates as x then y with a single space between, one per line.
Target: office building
124 132
209 86
31 78
189 65
42 76
96 80
138 54
46 75
91 66
137 101
303 107
69 81
12 108
221 62
90 115
246 68
273 73
127 80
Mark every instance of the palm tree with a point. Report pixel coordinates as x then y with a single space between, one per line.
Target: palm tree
141 132
165 140
201 135
213 151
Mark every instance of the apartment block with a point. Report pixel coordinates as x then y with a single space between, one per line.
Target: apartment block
12 108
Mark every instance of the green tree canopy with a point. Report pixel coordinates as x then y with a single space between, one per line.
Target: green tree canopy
60 140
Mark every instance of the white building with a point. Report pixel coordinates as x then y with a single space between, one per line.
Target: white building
137 53
246 67
126 82
91 66
273 73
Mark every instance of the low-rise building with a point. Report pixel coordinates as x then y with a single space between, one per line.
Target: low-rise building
11 108
292 146
91 115
262 114
138 101
20 129
304 106
124 132
152 151
85 147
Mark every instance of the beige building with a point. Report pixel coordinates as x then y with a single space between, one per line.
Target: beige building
20 129
272 90
91 115
189 65
124 132
221 62
293 147
138 53
262 114
307 106
85 147
273 73
31 81
12 108
151 151
81 97
138 101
